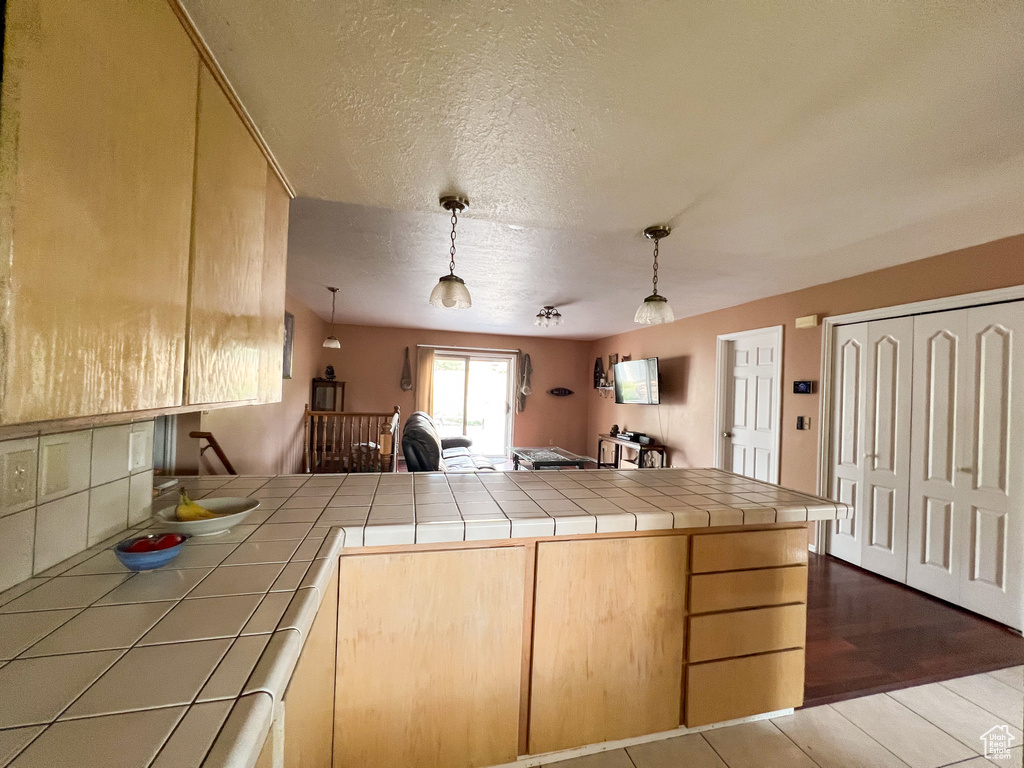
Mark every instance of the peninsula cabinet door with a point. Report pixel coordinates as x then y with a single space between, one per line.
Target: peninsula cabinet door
607 640
429 659
225 324
98 145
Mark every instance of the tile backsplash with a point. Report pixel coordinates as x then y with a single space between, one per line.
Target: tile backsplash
62 493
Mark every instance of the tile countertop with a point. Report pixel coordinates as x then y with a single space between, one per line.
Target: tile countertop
181 667
435 507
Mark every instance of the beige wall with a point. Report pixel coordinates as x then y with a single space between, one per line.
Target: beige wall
262 439
687 348
370 364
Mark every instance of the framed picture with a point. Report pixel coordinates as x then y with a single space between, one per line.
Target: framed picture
612 360
289 337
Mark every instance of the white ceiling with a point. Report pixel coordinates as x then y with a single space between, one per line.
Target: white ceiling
788 143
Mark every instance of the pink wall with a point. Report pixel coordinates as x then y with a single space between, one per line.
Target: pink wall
264 439
370 364
686 420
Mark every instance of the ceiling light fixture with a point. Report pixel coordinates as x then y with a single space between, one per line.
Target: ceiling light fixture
547 317
331 342
655 308
450 291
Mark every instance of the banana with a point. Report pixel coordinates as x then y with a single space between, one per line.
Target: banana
188 511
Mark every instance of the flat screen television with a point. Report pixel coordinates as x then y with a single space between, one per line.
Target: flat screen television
636 382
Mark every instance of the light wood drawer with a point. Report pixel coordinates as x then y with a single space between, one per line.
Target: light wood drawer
732 590
741 633
749 549
725 690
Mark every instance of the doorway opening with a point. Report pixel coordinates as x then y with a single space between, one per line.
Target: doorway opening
748 393
473 396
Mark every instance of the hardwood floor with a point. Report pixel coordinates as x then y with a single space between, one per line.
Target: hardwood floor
866 634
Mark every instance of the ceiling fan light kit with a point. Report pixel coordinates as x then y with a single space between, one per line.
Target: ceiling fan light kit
450 291
655 308
547 317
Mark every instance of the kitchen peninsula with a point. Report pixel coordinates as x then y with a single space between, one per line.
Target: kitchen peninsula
423 620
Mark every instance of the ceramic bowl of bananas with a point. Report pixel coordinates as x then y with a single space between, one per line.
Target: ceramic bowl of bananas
205 518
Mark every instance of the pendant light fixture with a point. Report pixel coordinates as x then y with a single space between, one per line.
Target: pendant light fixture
655 308
450 291
331 342
547 317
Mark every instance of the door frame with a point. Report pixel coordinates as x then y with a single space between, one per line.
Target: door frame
829 324
721 398
510 355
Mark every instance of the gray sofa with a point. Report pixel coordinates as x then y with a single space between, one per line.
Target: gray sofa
426 451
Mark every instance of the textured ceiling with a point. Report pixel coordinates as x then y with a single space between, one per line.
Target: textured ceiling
787 143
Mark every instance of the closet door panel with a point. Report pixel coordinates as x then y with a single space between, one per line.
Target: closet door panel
886 434
935 488
991 465
847 449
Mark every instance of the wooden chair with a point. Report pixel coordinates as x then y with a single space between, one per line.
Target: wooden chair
336 441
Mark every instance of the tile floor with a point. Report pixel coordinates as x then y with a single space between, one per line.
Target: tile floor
928 726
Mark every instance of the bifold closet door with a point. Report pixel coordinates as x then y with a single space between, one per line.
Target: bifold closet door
871 443
847 443
889 367
966 516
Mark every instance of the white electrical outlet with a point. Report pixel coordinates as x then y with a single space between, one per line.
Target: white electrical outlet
55 468
18 471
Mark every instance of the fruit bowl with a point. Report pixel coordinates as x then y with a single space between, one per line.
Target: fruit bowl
144 553
230 512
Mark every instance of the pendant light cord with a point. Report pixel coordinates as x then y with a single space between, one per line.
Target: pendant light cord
334 295
455 221
656 240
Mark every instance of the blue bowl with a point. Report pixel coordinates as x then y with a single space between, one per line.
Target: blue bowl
147 561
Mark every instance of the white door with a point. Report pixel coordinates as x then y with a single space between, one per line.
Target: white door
966 516
750 402
936 487
889 366
847 428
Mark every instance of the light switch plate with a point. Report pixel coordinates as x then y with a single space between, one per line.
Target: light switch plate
54 468
138 445
17 479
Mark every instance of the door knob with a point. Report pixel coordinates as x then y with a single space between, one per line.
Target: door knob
727 434
870 455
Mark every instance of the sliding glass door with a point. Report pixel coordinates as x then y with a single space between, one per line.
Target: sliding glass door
473 397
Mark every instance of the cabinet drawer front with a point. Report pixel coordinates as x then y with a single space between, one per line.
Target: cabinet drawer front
725 690
730 591
749 549
741 633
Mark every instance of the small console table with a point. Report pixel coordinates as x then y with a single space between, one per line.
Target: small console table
619 443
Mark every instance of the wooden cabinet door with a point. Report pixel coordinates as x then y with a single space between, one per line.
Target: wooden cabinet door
98 143
272 290
607 640
429 658
309 700
223 353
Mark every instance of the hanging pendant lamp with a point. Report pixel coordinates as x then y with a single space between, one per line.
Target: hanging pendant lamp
655 308
450 291
331 342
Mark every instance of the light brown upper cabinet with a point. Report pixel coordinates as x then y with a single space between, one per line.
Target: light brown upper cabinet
97 144
223 351
275 257
607 640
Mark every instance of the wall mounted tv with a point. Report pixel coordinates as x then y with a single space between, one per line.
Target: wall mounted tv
636 382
